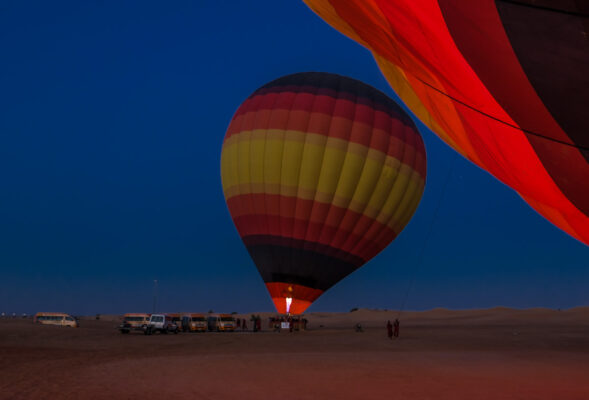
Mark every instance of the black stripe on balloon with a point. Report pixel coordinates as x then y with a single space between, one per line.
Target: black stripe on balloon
336 86
326 250
554 54
555 57
298 266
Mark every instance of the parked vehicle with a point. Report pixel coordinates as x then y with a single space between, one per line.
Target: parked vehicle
177 319
161 323
194 323
60 319
134 322
221 323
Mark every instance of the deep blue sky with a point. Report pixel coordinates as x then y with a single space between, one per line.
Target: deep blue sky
111 123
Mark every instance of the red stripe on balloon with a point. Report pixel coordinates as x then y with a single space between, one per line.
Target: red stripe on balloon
383 104
337 230
342 108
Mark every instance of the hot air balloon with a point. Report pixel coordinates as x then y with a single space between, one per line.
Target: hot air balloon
505 83
320 173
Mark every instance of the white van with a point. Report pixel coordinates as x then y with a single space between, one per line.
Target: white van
161 323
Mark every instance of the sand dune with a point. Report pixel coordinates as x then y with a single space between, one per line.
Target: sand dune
494 354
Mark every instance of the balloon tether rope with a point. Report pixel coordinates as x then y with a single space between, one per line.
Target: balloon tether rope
428 235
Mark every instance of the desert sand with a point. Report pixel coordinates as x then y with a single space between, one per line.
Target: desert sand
494 354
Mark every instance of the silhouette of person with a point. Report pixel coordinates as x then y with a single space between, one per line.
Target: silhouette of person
396 328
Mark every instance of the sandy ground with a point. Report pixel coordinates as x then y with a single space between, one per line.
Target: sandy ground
441 354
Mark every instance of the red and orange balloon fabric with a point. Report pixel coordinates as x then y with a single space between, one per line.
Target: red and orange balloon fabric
320 173
503 82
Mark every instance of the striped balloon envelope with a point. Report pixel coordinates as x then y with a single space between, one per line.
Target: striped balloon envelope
320 173
503 82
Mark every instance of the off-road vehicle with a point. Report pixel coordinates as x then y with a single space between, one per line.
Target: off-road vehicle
161 323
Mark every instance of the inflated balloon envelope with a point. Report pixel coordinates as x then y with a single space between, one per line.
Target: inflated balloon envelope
320 173
503 82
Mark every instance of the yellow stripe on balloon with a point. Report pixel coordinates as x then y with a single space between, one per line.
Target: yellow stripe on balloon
233 173
319 151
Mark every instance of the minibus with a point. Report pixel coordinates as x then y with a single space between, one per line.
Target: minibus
221 323
59 319
134 322
194 323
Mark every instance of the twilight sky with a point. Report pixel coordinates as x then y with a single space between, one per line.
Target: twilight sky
111 124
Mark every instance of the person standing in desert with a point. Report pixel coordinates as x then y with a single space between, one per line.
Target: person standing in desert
389 329
396 327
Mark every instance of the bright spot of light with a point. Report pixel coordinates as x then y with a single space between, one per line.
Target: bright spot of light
288 302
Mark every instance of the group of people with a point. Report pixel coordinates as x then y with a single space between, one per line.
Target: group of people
393 329
241 323
294 323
